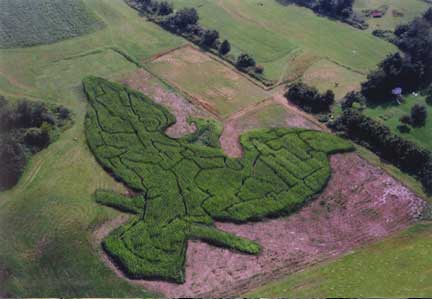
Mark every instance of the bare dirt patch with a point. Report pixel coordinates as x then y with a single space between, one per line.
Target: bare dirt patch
361 204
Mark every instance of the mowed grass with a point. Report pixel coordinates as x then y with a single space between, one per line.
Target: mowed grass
47 220
275 35
208 80
28 22
410 9
391 113
398 267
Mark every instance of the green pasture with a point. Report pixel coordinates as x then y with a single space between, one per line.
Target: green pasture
47 220
409 9
276 34
208 80
398 267
391 113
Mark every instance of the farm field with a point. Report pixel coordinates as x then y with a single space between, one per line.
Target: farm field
53 222
28 23
50 251
219 88
391 113
410 9
401 264
279 36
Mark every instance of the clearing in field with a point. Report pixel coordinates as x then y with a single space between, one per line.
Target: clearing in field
183 185
208 82
276 35
25 23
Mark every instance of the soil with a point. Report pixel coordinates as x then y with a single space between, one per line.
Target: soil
360 205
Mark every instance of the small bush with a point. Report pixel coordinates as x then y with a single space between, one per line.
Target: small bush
404 129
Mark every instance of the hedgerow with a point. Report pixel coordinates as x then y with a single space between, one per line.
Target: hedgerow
184 184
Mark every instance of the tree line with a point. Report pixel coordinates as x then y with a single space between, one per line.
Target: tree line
185 22
25 128
341 10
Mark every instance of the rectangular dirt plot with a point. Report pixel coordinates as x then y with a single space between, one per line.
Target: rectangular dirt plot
215 86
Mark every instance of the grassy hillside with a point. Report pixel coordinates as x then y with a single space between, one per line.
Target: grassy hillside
391 113
397 267
280 36
27 22
47 220
409 9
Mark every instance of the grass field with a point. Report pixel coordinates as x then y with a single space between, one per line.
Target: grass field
390 115
224 90
397 267
48 252
279 36
410 10
28 23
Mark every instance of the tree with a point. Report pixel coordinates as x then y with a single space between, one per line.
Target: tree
418 115
225 48
209 38
245 61
12 161
185 17
165 8
351 98
309 99
428 15
259 69
328 98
